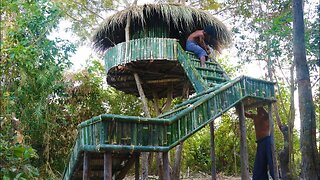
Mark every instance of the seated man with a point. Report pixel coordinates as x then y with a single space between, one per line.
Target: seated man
263 158
196 43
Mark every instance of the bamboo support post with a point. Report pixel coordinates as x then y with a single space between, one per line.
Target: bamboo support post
137 166
243 143
85 175
142 95
212 148
107 166
158 155
166 169
168 103
156 103
212 152
274 158
144 155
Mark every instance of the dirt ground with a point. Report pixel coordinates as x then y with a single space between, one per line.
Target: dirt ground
197 176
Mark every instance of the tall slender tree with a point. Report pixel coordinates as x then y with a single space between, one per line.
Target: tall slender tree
309 168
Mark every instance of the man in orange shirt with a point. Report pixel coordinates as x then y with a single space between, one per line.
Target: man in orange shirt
263 158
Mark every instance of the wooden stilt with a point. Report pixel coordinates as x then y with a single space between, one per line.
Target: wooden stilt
124 171
243 143
158 154
274 158
145 108
166 169
212 152
137 166
177 162
160 166
85 175
168 103
142 95
107 175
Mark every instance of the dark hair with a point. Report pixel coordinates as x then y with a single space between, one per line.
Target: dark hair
262 112
209 30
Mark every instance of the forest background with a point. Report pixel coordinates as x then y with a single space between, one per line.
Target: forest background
43 101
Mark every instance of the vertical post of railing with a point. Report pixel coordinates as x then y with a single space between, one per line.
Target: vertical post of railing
107 166
85 175
274 158
243 143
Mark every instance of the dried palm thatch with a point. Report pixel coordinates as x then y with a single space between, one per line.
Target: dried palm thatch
178 19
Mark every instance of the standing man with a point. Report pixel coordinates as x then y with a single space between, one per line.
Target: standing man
196 43
263 159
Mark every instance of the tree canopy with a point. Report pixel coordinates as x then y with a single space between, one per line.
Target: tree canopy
42 102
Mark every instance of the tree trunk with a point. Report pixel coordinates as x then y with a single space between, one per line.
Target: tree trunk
273 147
243 143
309 166
284 153
291 125
177 162
144 155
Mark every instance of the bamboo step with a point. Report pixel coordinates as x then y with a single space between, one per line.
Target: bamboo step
209 65
214 78
207 62
210 70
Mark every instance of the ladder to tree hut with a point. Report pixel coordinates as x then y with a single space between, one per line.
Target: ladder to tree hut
107 146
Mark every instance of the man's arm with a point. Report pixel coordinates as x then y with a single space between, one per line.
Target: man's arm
203 44
250 115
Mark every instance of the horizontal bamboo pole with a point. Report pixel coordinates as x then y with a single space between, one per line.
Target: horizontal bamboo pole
122 118
123 148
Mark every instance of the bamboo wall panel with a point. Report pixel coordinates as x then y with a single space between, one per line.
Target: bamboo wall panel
141 49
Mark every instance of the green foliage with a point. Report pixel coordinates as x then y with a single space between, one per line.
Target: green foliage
31 66
121 103
15 158
85 15
313 44
196 152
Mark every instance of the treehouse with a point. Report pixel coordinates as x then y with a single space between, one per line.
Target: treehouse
144 54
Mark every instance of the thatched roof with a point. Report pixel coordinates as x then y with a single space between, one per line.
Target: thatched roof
180 20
